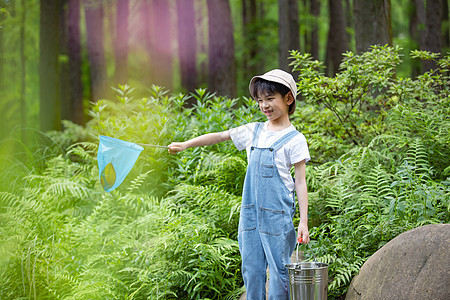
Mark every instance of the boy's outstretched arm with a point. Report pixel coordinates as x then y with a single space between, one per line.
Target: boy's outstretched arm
302 196
203 140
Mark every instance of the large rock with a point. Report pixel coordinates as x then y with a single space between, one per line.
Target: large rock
414 265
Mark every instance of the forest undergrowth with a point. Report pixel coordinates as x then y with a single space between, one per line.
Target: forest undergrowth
380 166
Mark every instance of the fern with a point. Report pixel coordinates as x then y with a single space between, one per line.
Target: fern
377 191
138 181
343 273
7 199
339 196
84 151
417 158
223 171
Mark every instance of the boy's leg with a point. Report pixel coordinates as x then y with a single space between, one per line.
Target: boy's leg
254 264
278 251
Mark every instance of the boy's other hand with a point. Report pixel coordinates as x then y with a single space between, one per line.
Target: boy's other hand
303 234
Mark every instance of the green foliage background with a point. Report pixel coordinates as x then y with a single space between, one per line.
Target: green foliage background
380 166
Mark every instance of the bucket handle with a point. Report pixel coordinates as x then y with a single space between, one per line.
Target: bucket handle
299 240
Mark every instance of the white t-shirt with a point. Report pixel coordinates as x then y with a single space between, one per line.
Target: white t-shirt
292 152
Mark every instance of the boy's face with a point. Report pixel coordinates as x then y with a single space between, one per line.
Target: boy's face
274 105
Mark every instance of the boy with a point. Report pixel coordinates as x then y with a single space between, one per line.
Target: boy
266 232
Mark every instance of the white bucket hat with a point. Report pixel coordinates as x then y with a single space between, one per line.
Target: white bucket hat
279 76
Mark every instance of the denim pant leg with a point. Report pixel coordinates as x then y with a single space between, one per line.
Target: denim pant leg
278 238
254 264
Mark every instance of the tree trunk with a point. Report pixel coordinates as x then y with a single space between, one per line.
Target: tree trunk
306 34
49 112
337 37
417 23
315 11
372 21
294 30
283 35
262 16
416 31
250 31
4 124
74 53
433 36
2 47
348 9
121 42
146 42
64 69
187 44
22 102
222 70
94 30
288 31
201 23
446 20
161 51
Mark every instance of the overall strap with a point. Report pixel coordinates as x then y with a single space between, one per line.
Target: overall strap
256 132
284 139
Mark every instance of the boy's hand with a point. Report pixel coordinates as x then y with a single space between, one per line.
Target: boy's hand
203 140
174 148
303 234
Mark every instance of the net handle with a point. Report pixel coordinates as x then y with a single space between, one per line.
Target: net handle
149 145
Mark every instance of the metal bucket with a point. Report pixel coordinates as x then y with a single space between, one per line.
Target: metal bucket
308 280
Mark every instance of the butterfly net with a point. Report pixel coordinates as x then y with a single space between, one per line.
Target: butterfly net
115 159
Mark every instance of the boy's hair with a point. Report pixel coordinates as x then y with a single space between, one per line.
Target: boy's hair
260 86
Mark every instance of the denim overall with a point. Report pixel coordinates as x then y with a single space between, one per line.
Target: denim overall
266 232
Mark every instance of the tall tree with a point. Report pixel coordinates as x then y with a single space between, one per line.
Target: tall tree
4 124
288 31
144 38
121 42
2 47
3 14
417 30
93 10
22 102
201 23
446 21
49 104
222 70
64 95
249 32
433 33
187 44
337 37
161 52
315 11
348 9
372 21
74 53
